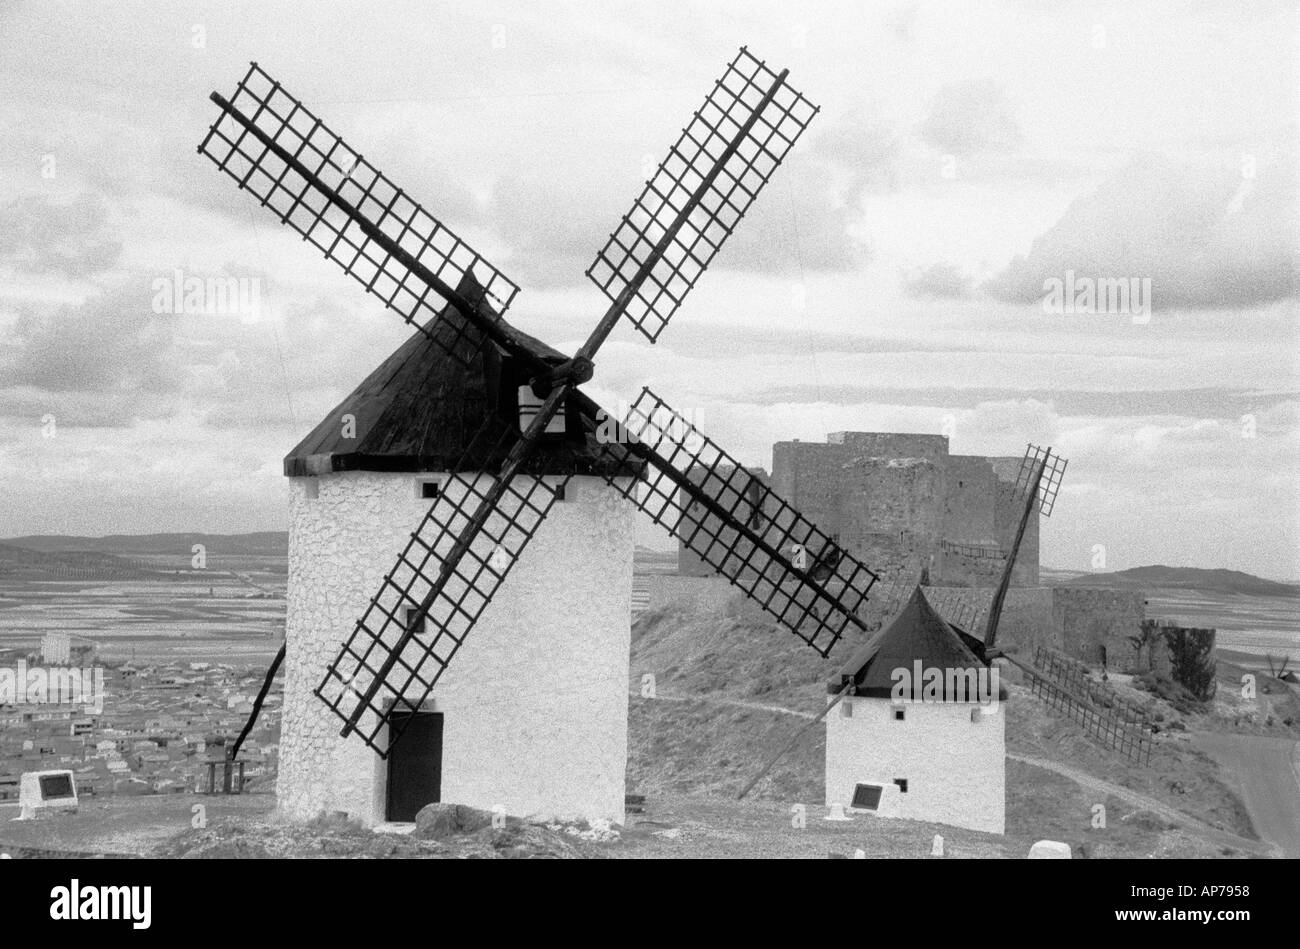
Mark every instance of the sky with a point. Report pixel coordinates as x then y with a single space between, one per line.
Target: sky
891 277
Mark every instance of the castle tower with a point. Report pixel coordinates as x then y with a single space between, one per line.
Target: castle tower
532 716
938 754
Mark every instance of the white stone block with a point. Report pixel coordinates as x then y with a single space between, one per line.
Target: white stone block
1049 850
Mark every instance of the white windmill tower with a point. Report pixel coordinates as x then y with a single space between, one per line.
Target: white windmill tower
473 433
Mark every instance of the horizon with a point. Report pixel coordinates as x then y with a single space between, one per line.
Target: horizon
891 279
1294 581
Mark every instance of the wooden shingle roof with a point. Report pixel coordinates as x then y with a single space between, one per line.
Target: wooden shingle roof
917 632
420 409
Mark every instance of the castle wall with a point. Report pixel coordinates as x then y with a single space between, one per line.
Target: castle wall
535 703
807 475
931 448
969 501
954 762
1092 619
891 512
902 504
1008 509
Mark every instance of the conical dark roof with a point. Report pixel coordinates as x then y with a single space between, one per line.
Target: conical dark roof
421 409
916 633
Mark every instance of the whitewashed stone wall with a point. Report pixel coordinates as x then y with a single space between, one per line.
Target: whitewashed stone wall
535 702
955 768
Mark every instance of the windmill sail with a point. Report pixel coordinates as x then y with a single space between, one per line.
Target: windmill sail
692 203
278 150
1038 481
428 603
741 527
1044 486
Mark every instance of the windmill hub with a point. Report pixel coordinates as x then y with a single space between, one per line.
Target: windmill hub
572 372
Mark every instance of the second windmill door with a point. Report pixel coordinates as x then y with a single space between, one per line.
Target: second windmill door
415 765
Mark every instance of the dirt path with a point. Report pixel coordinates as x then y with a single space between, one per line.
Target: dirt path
732 703
1171 814
1266 773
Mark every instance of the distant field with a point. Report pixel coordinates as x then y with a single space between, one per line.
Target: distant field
1253 624
232 610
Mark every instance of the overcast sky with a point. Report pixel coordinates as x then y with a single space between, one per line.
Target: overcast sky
889 278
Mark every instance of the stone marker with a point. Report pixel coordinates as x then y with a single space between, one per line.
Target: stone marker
1049 850
836 812
936 849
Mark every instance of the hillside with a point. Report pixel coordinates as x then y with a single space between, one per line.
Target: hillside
261 543
23 563
730 687
1190 578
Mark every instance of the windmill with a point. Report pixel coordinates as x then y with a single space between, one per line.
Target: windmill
493 503
944 759
918 629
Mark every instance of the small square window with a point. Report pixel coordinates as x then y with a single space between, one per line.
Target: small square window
311 489
530 405
867 796
976 716
846 709
562 492
902 785
899 714
427 489
414 622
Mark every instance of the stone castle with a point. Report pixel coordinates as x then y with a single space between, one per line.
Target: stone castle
910 510
904 505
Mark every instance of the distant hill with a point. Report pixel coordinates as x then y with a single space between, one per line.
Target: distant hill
1190 578
22 563
265 543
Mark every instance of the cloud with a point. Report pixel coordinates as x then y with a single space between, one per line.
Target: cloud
861 144
940 281
554 224
47 237
1205 235
112 342
970 117
110 360
902 21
